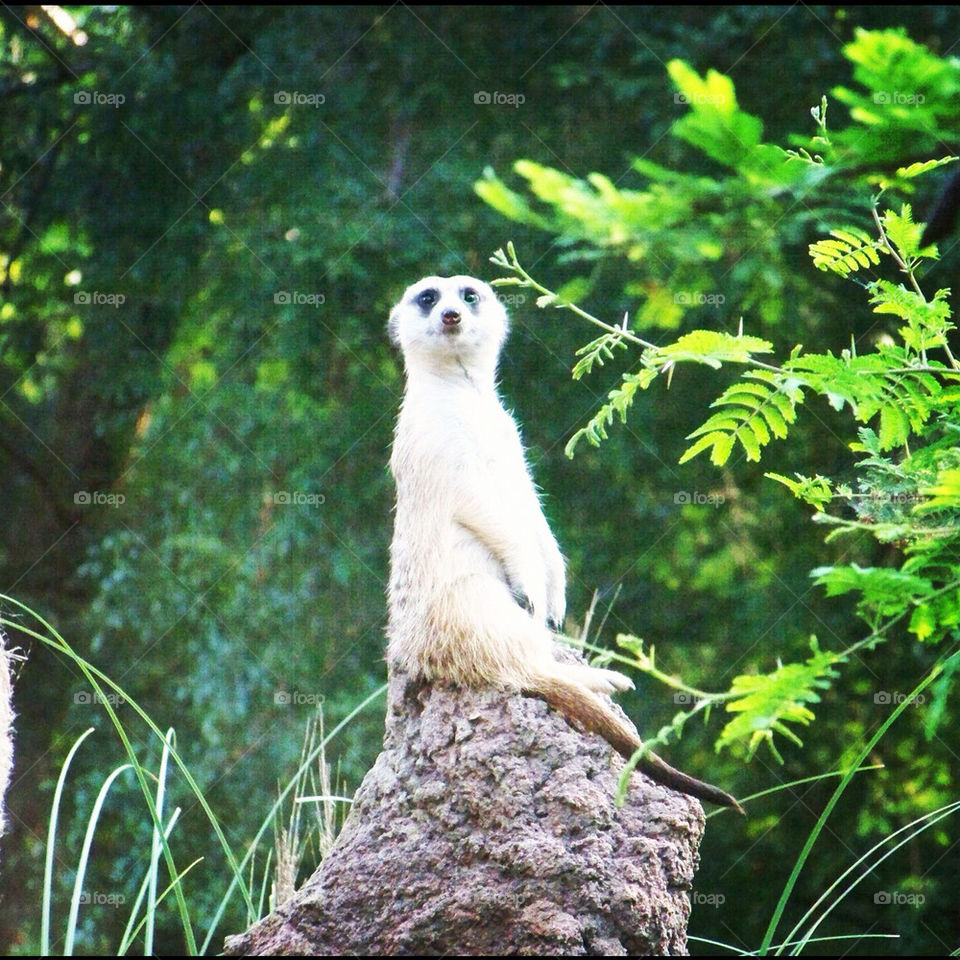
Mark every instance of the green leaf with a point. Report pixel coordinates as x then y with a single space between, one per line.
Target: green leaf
933 315
750 441
704 443
619 401
727 420
813 490
884 590
932 619
775 420
596 352
721 450
716 125
923 622
736 396
512 205
944 493
902 232
766 703
713 347
922 166
894 427
850 251
760 432
751 412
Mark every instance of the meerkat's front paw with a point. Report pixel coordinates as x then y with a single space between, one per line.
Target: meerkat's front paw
556 605
556 589
529 590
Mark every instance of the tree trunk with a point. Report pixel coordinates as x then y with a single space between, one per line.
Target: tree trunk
488 826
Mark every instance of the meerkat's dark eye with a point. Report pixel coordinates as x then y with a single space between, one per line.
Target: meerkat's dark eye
471 296
427 299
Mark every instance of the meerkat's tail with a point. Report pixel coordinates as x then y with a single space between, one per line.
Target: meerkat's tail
586 709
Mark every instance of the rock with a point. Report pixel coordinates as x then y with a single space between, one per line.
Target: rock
488 826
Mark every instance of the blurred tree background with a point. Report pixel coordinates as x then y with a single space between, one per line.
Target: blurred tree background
207 213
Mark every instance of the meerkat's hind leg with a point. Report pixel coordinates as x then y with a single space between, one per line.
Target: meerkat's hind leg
504 645
597 679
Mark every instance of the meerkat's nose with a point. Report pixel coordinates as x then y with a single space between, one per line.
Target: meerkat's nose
450 318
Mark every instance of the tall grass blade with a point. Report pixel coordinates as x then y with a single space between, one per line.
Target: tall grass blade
51 841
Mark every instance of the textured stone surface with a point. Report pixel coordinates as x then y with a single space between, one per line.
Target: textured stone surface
488 826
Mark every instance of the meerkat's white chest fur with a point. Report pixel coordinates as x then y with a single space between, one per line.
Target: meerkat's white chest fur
476 574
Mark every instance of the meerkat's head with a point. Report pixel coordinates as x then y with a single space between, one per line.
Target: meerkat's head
449 324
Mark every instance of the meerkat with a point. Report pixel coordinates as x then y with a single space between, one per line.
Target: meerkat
477 580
